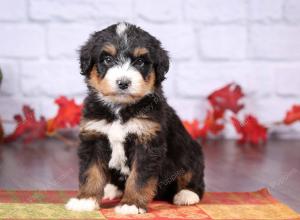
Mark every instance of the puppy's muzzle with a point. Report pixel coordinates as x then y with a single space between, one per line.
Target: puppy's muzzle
123 84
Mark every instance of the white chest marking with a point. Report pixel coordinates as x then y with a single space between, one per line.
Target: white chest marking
116 133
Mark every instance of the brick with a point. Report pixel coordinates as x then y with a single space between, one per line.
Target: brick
287 80
265 9
169 83
189 109
179 40
79 10
215 10
263 106
65 40
274 42
200 79
292 11
52 78
10 84
149 11
223 42
21 41
9 11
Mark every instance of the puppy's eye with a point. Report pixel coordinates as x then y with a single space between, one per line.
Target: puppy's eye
108 60
139 62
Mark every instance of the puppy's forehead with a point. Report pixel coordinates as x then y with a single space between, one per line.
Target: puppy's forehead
121 28
124 39
132 39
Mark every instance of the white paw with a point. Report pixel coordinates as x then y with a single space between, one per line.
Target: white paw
111 192
81 205
129 209
186 197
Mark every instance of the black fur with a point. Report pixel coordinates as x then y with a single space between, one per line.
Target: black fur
168 155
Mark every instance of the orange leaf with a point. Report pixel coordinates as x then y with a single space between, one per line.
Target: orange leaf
192 128
227 98
211 121
292 115
68 115
28 127
251 130
211 124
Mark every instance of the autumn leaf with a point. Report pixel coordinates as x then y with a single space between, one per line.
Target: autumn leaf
28 127
68 115
251 130
192 128
227 98
211 124
292 115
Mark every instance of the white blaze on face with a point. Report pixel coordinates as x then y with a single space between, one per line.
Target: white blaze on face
125 71
121 28
121 31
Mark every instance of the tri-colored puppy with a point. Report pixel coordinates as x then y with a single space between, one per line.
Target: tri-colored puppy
133 145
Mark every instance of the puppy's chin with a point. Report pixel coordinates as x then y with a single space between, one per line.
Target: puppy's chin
120 98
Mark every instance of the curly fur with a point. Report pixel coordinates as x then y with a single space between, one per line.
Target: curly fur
161 156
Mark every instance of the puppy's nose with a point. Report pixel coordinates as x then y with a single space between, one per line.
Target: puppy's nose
123 83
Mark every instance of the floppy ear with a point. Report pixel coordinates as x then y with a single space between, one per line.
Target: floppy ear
162 65
86 63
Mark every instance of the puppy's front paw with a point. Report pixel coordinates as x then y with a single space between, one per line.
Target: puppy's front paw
129 209
186 197
80 205
111 192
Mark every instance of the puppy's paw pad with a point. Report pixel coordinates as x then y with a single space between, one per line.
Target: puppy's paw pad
186 197
129 209
80 205
111 192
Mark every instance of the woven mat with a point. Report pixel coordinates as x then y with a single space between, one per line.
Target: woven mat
215 205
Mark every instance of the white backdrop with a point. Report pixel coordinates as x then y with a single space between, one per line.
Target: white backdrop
212 42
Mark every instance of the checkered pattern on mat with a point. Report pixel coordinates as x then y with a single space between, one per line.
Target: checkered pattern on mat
215 205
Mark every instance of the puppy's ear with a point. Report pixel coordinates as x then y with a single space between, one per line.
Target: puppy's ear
162 64
86 63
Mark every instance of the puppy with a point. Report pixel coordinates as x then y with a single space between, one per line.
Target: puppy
133 144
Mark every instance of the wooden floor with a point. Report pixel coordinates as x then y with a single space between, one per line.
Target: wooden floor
229 167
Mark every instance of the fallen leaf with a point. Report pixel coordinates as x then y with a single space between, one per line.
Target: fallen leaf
251 131
192 128
211 124
28 127
292 115
68 115
227 98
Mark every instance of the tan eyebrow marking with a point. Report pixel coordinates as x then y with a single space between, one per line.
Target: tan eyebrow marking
111 49
140 51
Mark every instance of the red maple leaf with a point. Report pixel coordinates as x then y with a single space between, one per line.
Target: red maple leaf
28 127
211 124
251 130
68 115
192 128
227 98
292 115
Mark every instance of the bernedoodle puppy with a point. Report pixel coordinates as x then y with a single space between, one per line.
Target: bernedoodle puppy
133 144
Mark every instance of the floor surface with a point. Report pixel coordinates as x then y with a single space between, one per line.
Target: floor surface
229 167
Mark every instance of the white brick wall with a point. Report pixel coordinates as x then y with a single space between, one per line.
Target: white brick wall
211 42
